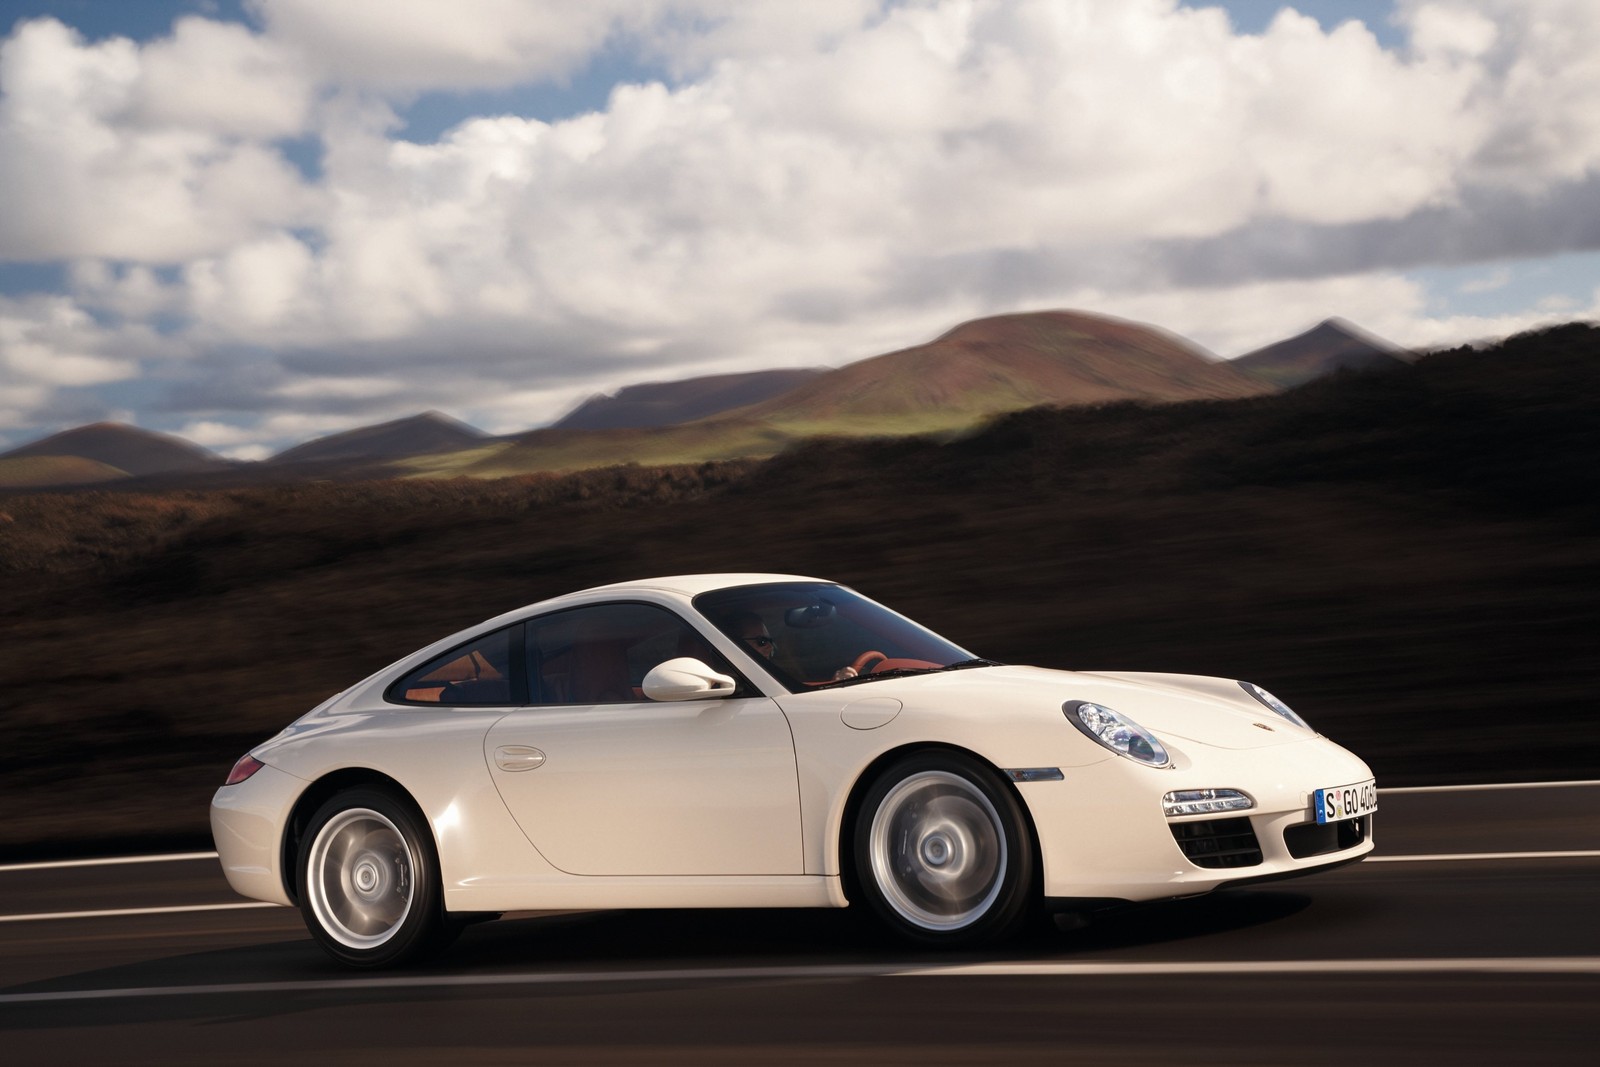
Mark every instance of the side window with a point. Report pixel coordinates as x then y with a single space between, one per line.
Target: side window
478 673
600 654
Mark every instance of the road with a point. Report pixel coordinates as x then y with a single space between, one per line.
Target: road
1471 937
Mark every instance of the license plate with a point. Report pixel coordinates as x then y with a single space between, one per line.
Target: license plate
1340 802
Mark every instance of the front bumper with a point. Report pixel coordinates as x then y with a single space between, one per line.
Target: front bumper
1103 834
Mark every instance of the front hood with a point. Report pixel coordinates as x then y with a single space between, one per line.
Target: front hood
1210 711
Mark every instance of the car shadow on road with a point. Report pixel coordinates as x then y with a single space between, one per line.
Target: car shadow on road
586 949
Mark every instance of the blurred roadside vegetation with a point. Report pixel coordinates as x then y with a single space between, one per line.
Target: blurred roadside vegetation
1409 557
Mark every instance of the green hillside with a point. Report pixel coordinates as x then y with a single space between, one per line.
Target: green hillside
27 472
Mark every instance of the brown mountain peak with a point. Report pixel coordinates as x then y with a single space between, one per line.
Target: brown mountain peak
127 448
1010 362
1331 345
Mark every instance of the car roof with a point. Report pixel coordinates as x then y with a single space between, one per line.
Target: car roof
685 585
693 584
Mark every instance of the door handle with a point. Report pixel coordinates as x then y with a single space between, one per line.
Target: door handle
518 758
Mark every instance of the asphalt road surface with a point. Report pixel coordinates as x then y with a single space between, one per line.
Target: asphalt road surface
1471 937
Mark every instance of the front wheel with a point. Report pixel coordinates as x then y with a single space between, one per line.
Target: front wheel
369 884
942 851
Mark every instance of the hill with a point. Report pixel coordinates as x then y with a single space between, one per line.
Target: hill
668 403
1330 346
555 450
977 370
430 432
31 472
128 449
1008 363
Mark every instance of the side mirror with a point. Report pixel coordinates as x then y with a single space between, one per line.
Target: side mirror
686 678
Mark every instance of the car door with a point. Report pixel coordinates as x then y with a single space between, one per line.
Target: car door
607 782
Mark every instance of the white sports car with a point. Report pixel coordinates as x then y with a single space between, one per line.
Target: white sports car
755 740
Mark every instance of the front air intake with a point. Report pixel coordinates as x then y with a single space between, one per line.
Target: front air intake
1218 843
1319 839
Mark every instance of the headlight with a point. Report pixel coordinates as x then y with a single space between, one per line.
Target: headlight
1275 704
1117 732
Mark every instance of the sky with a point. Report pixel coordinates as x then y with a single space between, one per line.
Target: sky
256 222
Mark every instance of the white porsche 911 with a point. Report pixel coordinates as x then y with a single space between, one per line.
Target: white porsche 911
753 740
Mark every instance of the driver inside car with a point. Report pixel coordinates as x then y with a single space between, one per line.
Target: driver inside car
753 632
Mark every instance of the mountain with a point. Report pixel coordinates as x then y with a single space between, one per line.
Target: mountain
950 384
1007 363
979 369
669 403
122 450
1331 345
430 432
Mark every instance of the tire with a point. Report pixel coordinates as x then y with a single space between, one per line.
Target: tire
943 853
368 881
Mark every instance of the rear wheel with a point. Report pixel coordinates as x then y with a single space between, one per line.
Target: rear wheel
369 883
942 851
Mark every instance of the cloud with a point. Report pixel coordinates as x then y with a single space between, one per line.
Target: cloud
403 47
48 342
152 155
1487 283
1537 91
220 77
226 439
813 184
411 45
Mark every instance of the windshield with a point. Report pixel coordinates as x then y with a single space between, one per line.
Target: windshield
810 634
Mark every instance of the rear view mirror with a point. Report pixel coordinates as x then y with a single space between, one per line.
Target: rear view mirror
686 678
810 616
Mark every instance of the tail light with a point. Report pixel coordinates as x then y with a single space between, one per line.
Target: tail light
246 766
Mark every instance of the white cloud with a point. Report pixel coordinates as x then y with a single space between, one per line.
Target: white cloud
47 342
408 46
401 45
132 291
824 182
262 284
226 439
103 155
221 77
1537 91
1488 283
215 434
341 388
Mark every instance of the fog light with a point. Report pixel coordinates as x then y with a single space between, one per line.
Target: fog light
1204 801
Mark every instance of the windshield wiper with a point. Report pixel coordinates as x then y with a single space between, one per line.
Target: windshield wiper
967 664
902 672
897 672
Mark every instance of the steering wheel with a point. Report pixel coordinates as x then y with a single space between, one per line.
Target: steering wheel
861 661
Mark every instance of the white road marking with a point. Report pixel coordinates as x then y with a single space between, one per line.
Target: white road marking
119 912
54 865
182 857
1582 965
1440 857
1478 788
192 856
461 980
1479 965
